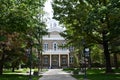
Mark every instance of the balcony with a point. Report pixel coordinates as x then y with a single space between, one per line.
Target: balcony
58 51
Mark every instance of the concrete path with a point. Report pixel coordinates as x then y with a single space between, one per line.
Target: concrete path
56 74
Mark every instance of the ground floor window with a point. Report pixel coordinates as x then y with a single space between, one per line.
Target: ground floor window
71 59
45 59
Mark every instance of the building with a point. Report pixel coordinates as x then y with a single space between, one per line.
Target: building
53 55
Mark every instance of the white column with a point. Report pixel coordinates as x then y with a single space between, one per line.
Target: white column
68 60
59 61
50 60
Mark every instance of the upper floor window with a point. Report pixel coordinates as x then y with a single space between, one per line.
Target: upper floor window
54 25
45 46
71 48
50 24
55 46
63 46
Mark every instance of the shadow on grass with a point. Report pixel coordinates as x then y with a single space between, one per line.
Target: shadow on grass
95 74
17 77
99 77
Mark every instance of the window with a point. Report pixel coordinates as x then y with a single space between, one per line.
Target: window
54 25
71 59
55 47
45 46
50 24
63 46
71 48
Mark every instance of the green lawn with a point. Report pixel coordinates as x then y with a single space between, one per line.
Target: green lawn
17 77
99 77
18 74
96 74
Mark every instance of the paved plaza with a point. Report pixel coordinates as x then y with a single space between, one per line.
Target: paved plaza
56 74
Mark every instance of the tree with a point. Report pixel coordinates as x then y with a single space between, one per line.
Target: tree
16 16
94 21
97 58
115 49
38 33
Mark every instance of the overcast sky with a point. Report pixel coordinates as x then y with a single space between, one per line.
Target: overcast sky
48 8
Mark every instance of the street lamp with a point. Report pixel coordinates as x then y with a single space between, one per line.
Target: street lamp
86 55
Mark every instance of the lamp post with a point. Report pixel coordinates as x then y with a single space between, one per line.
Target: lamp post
86 55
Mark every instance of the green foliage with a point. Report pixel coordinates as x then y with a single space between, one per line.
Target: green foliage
76 61
96 54
14 16
88 19
18 17
76 71
97 22
68 69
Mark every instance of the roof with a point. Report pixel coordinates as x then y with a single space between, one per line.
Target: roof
54 25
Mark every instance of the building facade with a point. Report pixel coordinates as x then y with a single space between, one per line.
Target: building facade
53 55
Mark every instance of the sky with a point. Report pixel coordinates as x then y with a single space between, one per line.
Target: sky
48 8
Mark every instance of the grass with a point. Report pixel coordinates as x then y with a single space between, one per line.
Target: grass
24 70
68 69
96 74
17 77
99 77
18 74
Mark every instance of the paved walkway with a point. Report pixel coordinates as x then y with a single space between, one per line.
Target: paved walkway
56 74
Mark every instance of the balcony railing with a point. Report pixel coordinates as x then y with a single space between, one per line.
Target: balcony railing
58 51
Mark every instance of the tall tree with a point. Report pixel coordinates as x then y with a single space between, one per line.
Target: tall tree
16 16
38 33
96 21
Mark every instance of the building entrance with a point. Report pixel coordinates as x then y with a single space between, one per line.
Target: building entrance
55 61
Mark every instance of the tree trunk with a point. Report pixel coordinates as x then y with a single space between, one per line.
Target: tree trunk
106 54
115 61
2 63
13 69
39 62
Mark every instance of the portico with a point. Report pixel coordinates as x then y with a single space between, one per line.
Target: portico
56 60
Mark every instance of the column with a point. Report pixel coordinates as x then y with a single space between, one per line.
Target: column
59 61
50 60
68 60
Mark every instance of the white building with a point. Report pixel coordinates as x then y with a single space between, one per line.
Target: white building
53 55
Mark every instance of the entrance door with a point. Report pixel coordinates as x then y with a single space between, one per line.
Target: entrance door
55 61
